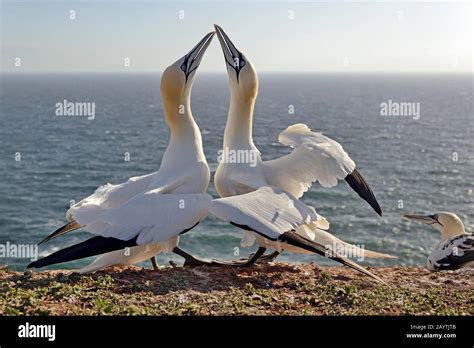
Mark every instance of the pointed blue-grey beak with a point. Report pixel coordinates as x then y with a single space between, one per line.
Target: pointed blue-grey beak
424 219
233 57
192 60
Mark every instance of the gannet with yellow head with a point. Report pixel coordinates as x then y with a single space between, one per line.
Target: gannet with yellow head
147 214
456 248
315 158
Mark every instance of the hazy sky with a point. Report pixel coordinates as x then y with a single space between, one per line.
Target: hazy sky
322 36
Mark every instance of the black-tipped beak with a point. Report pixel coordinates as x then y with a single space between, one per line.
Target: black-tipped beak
424 219
192 60
233 57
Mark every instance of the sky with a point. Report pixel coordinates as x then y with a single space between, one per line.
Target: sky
277 36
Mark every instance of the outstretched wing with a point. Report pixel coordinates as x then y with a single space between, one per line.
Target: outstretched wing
315 158
275 214
268 211
151 217
110 197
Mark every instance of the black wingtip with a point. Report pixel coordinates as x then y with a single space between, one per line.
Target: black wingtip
90 247
357 182
69 227
294 239
32 265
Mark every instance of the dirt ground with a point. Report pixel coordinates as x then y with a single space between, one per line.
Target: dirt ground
271 289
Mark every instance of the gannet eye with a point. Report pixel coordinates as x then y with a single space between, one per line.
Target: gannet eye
436 217
184 66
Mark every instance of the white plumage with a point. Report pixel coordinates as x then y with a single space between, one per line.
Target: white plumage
130 256
152 216
155 208
315 158
147 214
268 210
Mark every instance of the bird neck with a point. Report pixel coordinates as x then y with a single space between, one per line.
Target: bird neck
179 118
185 134
451 231
238 130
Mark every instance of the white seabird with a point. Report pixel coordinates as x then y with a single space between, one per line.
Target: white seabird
156 208
156 215
315 158
456 249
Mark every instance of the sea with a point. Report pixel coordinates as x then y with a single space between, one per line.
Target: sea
417 159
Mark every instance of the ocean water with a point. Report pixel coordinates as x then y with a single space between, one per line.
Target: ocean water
426 165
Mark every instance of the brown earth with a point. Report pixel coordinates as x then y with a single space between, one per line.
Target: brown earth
271 289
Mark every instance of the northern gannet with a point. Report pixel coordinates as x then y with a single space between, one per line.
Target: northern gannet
148 213
456 249
315 158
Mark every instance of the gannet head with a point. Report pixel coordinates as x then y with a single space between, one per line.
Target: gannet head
177 79
243 78
449 224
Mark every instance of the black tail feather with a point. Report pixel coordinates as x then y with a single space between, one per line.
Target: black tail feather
294 239
357 182
91 247
69 227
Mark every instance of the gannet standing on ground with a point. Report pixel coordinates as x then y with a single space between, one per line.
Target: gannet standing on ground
147 214
315 158
153 209
456 249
